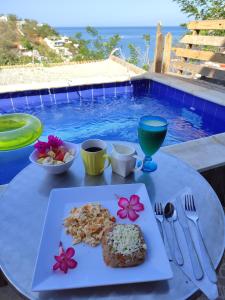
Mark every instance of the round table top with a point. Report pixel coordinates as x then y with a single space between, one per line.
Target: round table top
23 207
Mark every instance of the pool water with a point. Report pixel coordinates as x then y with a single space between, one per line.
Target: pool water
117 119
110 112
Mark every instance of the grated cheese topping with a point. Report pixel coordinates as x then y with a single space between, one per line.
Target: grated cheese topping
125 239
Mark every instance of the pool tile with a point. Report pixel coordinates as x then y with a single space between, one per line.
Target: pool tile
110 89
220 113
6 104
179 96
33 98
199 105
85 92
120 88
188 100
46 97
98 91
60 95
129 89
19 103
140 87
210 108
154 89
73 93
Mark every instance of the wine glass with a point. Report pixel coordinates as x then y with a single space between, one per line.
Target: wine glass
151 134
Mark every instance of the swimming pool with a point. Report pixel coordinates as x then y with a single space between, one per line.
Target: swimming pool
111 111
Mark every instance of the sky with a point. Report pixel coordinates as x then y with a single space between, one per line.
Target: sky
96 12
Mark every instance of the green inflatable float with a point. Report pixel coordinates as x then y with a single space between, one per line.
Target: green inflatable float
18 130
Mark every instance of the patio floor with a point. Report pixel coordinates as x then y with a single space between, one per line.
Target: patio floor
36 77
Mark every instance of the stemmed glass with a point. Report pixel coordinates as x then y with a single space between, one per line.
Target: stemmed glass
151 134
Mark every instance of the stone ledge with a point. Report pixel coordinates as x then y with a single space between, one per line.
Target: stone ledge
202 154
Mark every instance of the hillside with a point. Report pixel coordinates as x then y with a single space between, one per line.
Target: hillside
25 41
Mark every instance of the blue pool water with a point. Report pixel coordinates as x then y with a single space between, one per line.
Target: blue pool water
117 119
111 112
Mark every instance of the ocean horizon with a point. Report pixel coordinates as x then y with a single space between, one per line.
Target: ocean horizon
129 35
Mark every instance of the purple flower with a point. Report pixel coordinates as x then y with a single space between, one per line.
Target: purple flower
54 142
64 260
129 208
41 147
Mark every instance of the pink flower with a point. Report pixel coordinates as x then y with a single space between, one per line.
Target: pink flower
64 260
54 141
41 147
129 208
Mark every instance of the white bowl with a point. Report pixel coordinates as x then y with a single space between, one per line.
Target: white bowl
56 169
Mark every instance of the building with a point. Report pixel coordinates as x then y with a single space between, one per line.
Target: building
3 19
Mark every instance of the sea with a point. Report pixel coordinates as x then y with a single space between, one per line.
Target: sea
129 35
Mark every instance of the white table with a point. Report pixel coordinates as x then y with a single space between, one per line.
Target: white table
23 207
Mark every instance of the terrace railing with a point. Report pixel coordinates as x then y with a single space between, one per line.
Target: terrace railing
200 54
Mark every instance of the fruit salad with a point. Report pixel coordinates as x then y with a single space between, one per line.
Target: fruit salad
53 152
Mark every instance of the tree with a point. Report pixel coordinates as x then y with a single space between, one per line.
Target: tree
26 43
45 30
203 9
134 55
94 48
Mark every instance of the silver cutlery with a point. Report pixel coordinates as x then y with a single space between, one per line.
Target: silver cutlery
196 266
192 215
160 217
170 214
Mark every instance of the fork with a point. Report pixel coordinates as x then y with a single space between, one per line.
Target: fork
160 217
192 215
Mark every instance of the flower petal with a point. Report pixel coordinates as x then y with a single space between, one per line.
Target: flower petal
134 199
58 258
54 141
71 263
138 207
64 267
132 215
70 252
122 213
123 202
56 266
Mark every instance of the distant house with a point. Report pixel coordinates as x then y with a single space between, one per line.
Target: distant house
21 23
59 43
3 19
66 40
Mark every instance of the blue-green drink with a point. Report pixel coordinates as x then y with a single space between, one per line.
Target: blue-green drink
151 134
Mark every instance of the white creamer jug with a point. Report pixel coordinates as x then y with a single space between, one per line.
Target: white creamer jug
123 160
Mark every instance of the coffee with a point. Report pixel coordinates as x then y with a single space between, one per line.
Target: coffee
93 149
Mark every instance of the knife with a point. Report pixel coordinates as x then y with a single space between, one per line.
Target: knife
195 262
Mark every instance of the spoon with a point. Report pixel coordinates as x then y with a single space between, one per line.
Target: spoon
170 214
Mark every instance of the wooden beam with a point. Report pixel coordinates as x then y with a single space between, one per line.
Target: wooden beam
204 40
157 64
167 53
158 29
206 25
199 69
200 55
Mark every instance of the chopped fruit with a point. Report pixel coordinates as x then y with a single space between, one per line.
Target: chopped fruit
51 154
42 155
59 156
54 152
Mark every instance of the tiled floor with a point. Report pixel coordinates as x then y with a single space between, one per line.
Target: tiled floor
9 293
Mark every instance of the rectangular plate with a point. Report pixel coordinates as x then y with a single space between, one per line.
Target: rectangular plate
91 269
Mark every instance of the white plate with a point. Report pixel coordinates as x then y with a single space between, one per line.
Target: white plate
91 269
